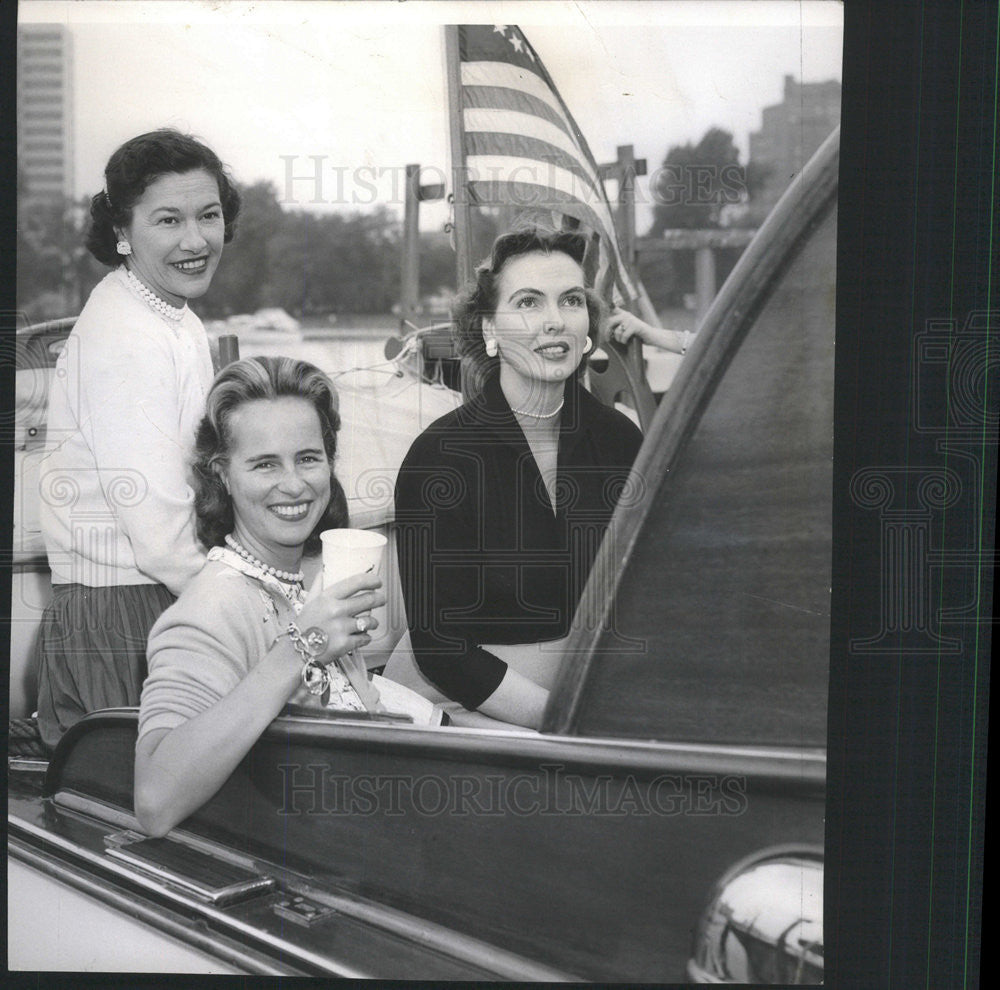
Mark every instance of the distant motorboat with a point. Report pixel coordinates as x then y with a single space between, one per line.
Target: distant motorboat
268 324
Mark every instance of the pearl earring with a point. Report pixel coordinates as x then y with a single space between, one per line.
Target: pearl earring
123 247
491 347
588 345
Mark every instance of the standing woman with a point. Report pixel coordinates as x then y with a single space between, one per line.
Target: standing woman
128 392
501 505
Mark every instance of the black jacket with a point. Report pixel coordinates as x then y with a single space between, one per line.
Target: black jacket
482 556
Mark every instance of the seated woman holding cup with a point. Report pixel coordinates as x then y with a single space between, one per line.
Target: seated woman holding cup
243 639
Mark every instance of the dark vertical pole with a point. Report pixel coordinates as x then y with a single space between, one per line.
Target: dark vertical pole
623 170
229 349
410 289
456 134
460 192
626 173
705 284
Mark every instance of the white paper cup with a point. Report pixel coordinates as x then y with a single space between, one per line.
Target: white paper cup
347 552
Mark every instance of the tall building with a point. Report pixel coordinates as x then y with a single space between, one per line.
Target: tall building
44 111
790 132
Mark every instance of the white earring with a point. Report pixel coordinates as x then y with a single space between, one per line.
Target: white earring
588 345
123 247
491 347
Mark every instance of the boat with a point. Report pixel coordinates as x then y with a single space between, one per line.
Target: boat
667 822
270 325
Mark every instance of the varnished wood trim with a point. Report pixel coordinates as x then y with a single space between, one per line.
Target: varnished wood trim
803 206
787 766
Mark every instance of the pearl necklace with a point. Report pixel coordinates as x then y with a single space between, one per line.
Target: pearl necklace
155 303
287 576
533 415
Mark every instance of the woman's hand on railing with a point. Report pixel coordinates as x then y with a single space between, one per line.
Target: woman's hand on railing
623 326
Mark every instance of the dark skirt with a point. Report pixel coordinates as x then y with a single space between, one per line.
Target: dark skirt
91 650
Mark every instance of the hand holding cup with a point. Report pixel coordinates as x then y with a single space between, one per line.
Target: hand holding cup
343 613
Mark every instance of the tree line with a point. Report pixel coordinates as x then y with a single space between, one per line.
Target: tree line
306 263
313 264
699 186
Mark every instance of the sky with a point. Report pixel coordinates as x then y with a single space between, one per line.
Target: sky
277 88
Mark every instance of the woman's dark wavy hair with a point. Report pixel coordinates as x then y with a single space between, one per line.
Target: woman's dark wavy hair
139 162
478 300
245 381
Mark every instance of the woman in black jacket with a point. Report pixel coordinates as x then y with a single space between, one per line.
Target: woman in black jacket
502 504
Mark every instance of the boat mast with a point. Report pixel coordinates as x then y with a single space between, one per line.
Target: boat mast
456 136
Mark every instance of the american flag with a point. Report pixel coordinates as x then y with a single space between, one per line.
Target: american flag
522 147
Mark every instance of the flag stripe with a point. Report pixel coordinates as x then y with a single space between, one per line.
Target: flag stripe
514 192
499 98
510 77
490 176
522 146
509 122
499 168
487 141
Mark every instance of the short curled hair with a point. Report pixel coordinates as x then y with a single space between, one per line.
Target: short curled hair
139 162
478 301
245 381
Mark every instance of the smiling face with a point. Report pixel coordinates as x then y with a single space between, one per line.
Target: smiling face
176 233
278 476
541 320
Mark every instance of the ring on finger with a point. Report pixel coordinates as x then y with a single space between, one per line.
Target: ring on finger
361 624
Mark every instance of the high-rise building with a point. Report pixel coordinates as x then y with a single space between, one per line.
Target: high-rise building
790 132
44 111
